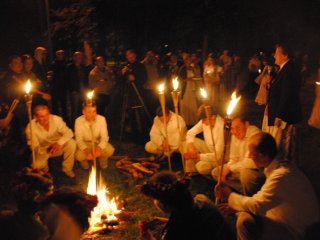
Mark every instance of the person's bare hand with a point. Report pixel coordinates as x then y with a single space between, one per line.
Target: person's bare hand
277 122
222 192
88 153
226 210
192 156
98 152
54 148
165 145
131 77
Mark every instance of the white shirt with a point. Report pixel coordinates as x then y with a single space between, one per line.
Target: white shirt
158 133
84 134
58 132
286 197
239 152
218 137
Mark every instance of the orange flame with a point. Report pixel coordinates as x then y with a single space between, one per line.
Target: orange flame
28 86
161 88
233 103
175 83
106 209
203 93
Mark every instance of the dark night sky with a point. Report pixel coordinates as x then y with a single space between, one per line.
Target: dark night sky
241 25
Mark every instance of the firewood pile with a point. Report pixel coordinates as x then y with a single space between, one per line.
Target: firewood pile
137 168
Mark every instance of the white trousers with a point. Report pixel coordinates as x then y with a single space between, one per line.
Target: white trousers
103 159
67 150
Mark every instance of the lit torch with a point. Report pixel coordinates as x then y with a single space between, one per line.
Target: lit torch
89 102
207 109
233 103
175 99
90 98
228 119
28 98
162 100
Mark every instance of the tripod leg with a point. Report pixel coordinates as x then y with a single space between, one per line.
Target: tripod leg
123 111
141 100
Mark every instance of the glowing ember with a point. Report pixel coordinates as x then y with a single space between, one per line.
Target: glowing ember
175 84
106 209
233 103
28 87
203 93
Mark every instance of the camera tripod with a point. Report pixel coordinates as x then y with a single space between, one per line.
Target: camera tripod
135 108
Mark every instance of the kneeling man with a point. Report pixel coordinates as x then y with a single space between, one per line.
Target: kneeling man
205 154
51 138
92 137
166 140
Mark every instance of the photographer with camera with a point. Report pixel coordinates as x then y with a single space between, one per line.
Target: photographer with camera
135 77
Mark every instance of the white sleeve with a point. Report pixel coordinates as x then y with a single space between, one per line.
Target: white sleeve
260 202
104 136
156 135
66 133
194 131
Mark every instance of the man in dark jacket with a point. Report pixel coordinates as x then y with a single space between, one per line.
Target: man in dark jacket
284 108
59 86
78 76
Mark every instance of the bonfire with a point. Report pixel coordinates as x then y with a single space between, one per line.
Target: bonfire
104 214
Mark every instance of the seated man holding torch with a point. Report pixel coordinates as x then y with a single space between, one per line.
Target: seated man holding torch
51 138
240 172
284 207
163 141
92 125
204 155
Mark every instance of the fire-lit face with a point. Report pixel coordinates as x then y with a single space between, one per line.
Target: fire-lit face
28 65
131 56
100 62
259 159
43 117
77 58
279 57
206 121
90 113
239 128
16 65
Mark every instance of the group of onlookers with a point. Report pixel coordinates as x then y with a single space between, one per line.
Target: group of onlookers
257 177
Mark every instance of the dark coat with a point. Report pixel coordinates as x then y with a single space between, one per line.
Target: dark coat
78 77
284 96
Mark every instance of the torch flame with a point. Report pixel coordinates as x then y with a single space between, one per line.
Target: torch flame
28 87
90 94
203 93
318 83
175 83
233 103
106 209
161 88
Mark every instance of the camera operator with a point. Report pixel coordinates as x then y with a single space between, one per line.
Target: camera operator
135 76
